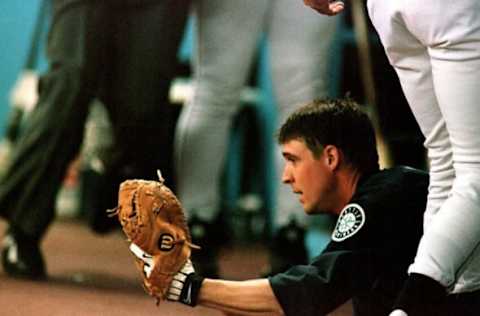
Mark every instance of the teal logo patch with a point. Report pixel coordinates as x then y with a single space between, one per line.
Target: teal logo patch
350 221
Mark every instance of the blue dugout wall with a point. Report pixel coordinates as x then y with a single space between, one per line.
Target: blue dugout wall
17 21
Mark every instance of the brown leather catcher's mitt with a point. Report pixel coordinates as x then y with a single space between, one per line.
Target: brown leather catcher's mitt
153 220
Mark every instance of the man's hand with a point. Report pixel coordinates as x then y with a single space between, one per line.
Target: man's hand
327 7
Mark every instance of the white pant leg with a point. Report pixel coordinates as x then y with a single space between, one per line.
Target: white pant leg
434 46
227 32
412 63
299 40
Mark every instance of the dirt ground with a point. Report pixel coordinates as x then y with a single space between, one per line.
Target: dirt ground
93 274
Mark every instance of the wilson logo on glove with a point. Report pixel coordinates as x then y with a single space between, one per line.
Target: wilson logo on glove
166 242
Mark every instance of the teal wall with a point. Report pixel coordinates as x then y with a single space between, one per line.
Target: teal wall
17 20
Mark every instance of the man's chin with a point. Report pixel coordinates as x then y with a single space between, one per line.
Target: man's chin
313 210
309 210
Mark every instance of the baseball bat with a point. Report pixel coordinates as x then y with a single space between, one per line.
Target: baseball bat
359 20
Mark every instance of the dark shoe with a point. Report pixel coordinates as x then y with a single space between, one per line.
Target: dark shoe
21 258
205 260
288 248
97 195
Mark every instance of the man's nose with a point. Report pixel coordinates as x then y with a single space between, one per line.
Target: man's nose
286 175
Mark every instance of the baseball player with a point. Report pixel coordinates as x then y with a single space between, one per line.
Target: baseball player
332 166
434 46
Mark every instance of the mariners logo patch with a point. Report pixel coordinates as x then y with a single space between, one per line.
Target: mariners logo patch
349 223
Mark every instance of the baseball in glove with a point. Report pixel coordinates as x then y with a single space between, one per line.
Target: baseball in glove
153 220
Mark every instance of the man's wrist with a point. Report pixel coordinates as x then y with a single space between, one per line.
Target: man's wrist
185 285
191 289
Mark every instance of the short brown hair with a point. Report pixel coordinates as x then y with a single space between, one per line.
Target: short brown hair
338 122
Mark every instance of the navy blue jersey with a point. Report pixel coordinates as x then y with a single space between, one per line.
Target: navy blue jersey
373 243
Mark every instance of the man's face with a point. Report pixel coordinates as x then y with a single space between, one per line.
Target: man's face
309 177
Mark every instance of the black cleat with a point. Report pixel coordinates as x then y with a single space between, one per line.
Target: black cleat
21 258
205 260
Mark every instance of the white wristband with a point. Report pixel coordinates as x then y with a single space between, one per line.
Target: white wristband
175 289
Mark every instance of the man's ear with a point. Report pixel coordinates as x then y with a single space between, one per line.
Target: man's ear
332 155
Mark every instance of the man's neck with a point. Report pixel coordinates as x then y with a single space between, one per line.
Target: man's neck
347 185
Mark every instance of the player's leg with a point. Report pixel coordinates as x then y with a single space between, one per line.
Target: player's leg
438 68
454 48
411 61
143 41
224 48
50 139
299 41
226 35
